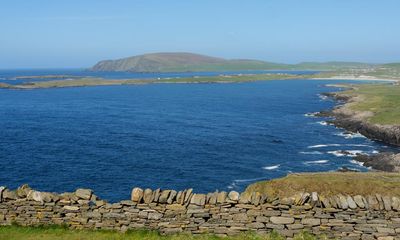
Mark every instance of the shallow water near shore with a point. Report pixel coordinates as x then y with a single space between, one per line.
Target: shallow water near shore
170 136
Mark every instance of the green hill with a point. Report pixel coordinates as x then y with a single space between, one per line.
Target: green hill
190 62
182 62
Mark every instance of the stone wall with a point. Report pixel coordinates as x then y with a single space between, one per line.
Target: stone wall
220 213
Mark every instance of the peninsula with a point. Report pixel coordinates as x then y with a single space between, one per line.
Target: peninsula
191 62
91 81
373 111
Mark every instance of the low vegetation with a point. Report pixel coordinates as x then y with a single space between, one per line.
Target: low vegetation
329 184
60 233
89 81
383 100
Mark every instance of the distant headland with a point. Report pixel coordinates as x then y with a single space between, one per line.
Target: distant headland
191 62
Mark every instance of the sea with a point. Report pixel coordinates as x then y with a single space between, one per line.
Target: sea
171 136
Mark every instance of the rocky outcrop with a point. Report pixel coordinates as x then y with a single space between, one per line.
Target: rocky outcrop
354 121
388 162
220 213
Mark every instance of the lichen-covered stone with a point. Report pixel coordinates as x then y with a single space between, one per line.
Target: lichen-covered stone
396 203
9 195
137 195
198 199
314 199
2 188
221 197
148 196
84 193
224 214
282 220
171 197
351 202
23 191
359 201
373 202
188 195
233 196
343 202
387 203
311 221
164 196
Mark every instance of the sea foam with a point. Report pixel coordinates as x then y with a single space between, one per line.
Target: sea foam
272 167
312 153
324 145
316 162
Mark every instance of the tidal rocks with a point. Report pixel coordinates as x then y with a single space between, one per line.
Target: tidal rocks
357 122
388 162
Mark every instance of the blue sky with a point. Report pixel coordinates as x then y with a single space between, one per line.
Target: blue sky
51 34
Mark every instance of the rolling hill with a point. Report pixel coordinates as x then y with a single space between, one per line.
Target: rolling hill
190 62
182 62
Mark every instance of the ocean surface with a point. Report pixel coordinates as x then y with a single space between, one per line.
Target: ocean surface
171 136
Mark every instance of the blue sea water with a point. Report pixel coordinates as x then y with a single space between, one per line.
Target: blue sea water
170 136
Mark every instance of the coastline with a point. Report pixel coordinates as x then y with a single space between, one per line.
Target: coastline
237 78
358 78
347 118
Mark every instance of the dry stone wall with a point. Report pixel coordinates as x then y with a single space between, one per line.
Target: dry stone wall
220 213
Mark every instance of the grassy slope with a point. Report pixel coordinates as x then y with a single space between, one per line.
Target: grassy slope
381 99
233 65
58 233
184 62
328 184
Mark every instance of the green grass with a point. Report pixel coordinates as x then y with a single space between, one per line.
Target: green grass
88 81
328 184
233 65
383 100
60 233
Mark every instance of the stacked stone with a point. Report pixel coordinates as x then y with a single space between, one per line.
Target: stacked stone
220 213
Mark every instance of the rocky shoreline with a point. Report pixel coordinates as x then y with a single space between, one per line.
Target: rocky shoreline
356 121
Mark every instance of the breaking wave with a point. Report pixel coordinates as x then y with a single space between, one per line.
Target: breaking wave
316 162
312 153
272 167
324 145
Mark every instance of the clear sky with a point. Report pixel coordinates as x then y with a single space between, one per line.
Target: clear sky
78 33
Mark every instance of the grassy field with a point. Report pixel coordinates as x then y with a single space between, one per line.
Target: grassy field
59 233
383 100
88 81
328 184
